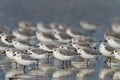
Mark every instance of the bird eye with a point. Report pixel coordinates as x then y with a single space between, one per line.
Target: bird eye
115 51
7 50
62 46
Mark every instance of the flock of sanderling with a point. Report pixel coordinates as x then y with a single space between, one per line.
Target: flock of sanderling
30 44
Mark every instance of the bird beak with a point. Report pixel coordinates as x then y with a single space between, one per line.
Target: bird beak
37 46
105 40
14 54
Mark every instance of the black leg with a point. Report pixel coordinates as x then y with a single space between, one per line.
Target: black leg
16 65
37 62
97 59
87 62
24 69
106 60
63 65
66 63
69 62
110 61
48 58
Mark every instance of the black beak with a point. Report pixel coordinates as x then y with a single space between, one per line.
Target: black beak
94 47
105 40
70 41
14 54
37 46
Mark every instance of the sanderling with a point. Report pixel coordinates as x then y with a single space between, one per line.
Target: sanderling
24 34
106 50
20 45
38 54
88 53
48 47
63 37
43 27
20 59
44 37
82 44
86 39
88 25
9 53
58 27
116 27
26 25
65 55
73 32
113 42
112 34
68 47
6 38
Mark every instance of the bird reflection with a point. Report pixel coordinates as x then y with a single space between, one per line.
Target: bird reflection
84 74
116 75
106 72
64 74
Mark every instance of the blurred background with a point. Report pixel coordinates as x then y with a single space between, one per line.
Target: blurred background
103 12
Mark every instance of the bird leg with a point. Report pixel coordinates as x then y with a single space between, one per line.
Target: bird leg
106 60
63 65
69 62
66 63
37 62
24 69
48 58
87 62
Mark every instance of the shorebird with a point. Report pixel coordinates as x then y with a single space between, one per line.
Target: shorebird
68 47
112 34
38 54
24 34
6 38
63 37
88 25
48 47
88 53
9 53
58 27
106 50
26 25
82 44
116 27
20 45
44 37
86 39
113 42
23 60
65 55
44 27
73 32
